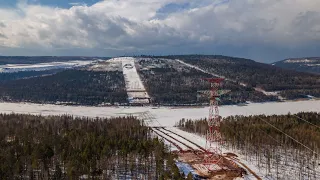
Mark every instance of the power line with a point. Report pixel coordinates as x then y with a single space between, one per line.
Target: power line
306 121
292 114
270 123
290 137
261 131
278 142
227 79
284 132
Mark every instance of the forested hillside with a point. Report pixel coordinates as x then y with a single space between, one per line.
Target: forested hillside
4 77
63 147
70 86
308 64
268 147
292 84
170 82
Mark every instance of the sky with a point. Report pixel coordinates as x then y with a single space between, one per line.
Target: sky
263 30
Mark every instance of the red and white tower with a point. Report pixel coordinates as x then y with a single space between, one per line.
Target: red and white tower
213 137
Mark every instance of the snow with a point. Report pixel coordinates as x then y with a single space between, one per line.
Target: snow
202 142
300 61
10 68
182 140
199 69
253 168
164 116
312 64
194 138
173 147
270 93
135 88
106 65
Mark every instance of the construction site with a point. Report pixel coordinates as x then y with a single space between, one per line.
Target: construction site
206 162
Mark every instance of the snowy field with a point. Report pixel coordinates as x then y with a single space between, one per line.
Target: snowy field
106 65
135 88
10 68
164 116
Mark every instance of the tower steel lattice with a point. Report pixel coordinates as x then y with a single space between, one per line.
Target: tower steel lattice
213 136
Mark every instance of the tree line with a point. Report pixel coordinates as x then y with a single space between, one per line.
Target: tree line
5 77
66 147
69 86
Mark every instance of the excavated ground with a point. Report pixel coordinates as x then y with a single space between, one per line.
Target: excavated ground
225 169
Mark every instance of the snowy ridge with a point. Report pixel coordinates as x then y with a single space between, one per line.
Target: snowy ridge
10 68
300 61
311 64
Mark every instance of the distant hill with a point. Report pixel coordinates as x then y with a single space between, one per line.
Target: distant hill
43 59
288 83
169 80
309 64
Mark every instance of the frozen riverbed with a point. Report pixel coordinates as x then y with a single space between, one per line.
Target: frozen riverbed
164 116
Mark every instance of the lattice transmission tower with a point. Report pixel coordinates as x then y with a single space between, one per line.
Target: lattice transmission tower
213 136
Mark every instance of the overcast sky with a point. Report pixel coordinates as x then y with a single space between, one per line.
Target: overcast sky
264 30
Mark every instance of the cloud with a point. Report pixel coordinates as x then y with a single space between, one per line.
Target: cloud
2 25
77 4
3 36
153 25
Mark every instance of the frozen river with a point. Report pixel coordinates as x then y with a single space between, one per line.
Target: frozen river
165 116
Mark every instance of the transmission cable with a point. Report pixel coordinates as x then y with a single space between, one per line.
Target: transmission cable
291 114
290 137
227 79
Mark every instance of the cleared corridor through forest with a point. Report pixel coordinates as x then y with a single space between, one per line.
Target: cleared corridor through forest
136 91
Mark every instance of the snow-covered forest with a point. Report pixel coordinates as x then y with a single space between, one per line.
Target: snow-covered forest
291 149
64 147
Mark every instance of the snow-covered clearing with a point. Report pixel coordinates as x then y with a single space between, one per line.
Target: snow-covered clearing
166 137
199 69
164 116
270 93
106 65
135 88
182 141
9 68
